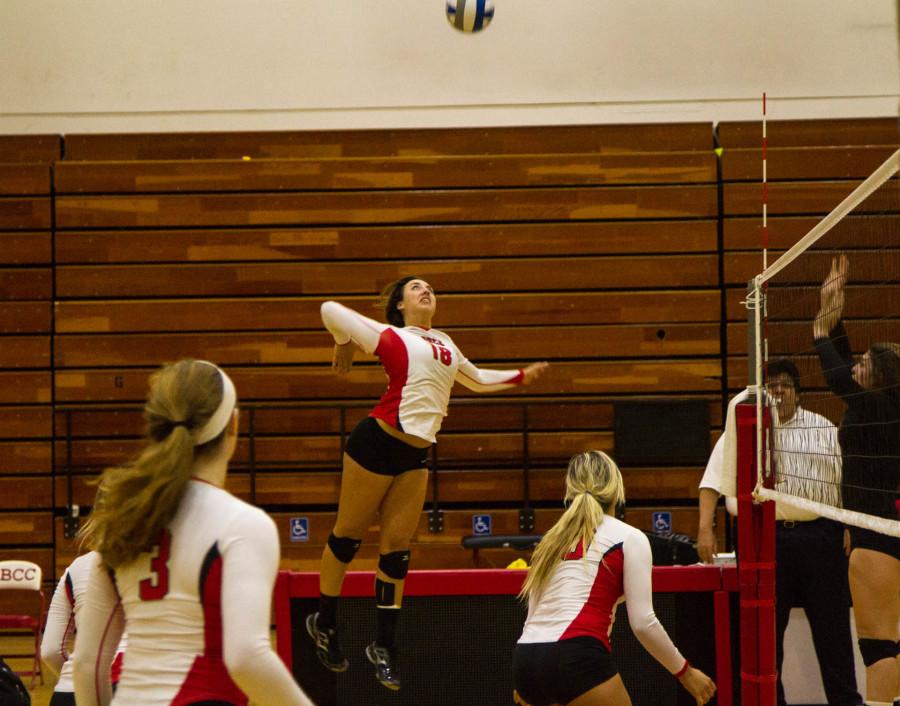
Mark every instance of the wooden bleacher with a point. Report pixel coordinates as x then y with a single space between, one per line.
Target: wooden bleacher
619 253
594 248
26 391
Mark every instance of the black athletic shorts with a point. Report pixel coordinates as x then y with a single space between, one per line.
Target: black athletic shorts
377 451
867 539
559 672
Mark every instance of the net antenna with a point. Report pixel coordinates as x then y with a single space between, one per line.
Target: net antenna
876 201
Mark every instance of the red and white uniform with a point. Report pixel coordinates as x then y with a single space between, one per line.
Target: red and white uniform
197 608
581 597
62 620
421 366
61 617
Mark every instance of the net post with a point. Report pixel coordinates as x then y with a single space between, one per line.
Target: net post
756 522
757 357
756 565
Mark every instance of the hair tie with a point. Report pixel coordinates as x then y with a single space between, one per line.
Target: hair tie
179 423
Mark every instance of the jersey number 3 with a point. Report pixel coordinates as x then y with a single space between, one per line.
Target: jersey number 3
157 585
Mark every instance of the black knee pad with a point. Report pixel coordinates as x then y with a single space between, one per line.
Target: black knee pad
394 565
385 593
873 651
343 548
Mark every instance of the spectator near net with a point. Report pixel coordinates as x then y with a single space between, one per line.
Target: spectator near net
582 568
384 464
870 443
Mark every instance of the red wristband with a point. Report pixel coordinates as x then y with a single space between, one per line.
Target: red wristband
680 672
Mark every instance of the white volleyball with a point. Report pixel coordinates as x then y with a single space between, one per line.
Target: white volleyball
470 15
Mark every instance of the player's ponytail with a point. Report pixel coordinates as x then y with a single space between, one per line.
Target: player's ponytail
593 485
187 413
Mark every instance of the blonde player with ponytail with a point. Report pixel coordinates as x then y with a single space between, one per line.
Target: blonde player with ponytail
583 567
187 566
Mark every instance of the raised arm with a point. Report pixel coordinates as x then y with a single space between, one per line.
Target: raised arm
832 344
56 631
249 566
837 362
348 326
100 626
486 380
831 297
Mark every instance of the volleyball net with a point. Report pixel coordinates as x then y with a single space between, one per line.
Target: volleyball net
824 323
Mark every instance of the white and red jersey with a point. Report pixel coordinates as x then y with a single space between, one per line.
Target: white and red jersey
61 617
581 597
421 366
62 621
197 608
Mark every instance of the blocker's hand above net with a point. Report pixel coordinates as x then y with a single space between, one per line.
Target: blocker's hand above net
831 296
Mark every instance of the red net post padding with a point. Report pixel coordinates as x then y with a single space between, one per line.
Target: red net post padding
756 567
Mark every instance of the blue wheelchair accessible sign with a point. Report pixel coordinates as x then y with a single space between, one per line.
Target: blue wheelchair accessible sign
299 529
481 524
662 522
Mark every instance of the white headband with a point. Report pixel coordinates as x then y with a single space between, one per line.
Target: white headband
220 418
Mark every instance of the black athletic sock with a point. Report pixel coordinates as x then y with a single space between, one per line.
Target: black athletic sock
327 611
385 634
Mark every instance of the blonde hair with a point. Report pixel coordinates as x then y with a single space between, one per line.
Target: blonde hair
593 484
137 500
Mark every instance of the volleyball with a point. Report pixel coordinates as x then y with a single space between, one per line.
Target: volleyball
470 15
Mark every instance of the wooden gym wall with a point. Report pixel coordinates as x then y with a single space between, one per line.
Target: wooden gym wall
611 251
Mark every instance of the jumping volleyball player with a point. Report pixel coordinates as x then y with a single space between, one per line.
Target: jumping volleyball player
384 463
581 569
186 566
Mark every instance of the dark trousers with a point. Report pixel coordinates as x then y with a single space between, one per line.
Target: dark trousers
811 573
62 698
